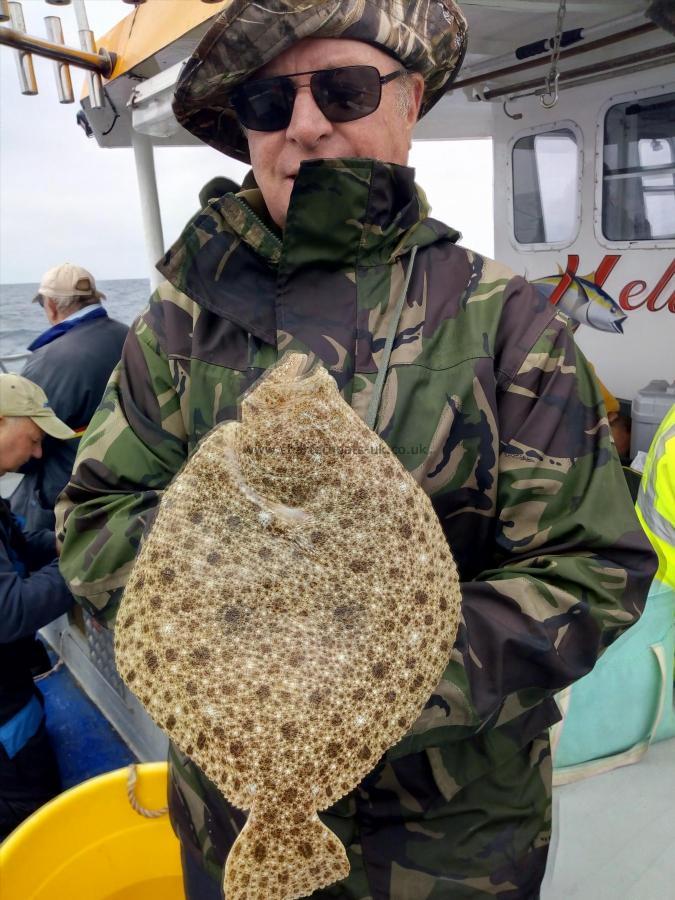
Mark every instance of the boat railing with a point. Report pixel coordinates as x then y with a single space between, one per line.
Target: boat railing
11 358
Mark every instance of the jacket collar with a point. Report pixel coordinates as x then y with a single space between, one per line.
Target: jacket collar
55 331
343 214
346 213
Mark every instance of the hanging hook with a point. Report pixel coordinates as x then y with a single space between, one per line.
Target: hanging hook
552 94
515 116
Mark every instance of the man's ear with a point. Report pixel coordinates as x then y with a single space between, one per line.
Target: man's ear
51 310
417 92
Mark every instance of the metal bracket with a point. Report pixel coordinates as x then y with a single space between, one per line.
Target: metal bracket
514 116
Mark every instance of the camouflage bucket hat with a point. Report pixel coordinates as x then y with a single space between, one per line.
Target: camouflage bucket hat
427 36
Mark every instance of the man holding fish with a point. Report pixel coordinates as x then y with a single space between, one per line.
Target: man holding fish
450 358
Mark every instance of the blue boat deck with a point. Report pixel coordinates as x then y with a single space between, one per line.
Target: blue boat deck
85 742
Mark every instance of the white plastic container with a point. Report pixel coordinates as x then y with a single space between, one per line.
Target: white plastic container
648 410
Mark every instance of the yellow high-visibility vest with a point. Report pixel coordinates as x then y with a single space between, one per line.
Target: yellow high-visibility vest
656 498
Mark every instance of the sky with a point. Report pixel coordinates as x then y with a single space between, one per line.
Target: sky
64 198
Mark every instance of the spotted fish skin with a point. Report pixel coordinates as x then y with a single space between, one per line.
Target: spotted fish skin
289 660
491 408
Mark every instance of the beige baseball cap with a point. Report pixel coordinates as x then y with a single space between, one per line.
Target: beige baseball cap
21 397
66 281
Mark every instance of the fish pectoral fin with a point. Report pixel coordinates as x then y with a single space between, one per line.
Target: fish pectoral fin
277 858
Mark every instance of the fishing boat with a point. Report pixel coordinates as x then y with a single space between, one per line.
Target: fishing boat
578 99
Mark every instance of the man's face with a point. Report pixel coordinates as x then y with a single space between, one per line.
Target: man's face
384 134
20 440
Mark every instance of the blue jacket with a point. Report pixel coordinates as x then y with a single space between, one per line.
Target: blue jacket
72 368
32 593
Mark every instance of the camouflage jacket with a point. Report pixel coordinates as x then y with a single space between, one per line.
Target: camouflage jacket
487 401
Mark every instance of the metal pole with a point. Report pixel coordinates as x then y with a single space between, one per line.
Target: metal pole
64 84
150 211
88 43
103 62
613 65
606 29
24 61
565 54
601 76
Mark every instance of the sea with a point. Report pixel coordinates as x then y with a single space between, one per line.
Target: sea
22 321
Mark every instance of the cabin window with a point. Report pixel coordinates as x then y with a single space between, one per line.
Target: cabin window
545 187
638 198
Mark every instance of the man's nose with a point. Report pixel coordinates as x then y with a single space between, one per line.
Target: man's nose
308 124
37 451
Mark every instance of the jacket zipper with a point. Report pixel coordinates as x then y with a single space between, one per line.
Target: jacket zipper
259 221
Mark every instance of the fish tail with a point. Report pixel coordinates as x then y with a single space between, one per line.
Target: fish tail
275 857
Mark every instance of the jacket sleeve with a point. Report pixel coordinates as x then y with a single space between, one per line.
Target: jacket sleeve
41 548
570 568
27 604
132 449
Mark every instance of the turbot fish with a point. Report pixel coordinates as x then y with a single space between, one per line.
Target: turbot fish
288 616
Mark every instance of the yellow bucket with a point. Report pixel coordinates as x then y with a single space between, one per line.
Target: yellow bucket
90 844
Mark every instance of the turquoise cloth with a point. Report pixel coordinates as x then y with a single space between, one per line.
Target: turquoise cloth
626 702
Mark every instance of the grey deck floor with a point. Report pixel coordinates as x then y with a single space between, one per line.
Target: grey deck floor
615 835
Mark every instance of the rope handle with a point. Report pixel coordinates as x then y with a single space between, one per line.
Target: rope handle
132 777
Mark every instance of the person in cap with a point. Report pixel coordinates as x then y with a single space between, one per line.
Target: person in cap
72 361
32 593
216 187
456 362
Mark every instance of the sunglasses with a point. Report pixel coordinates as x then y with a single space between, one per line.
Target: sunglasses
343 95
